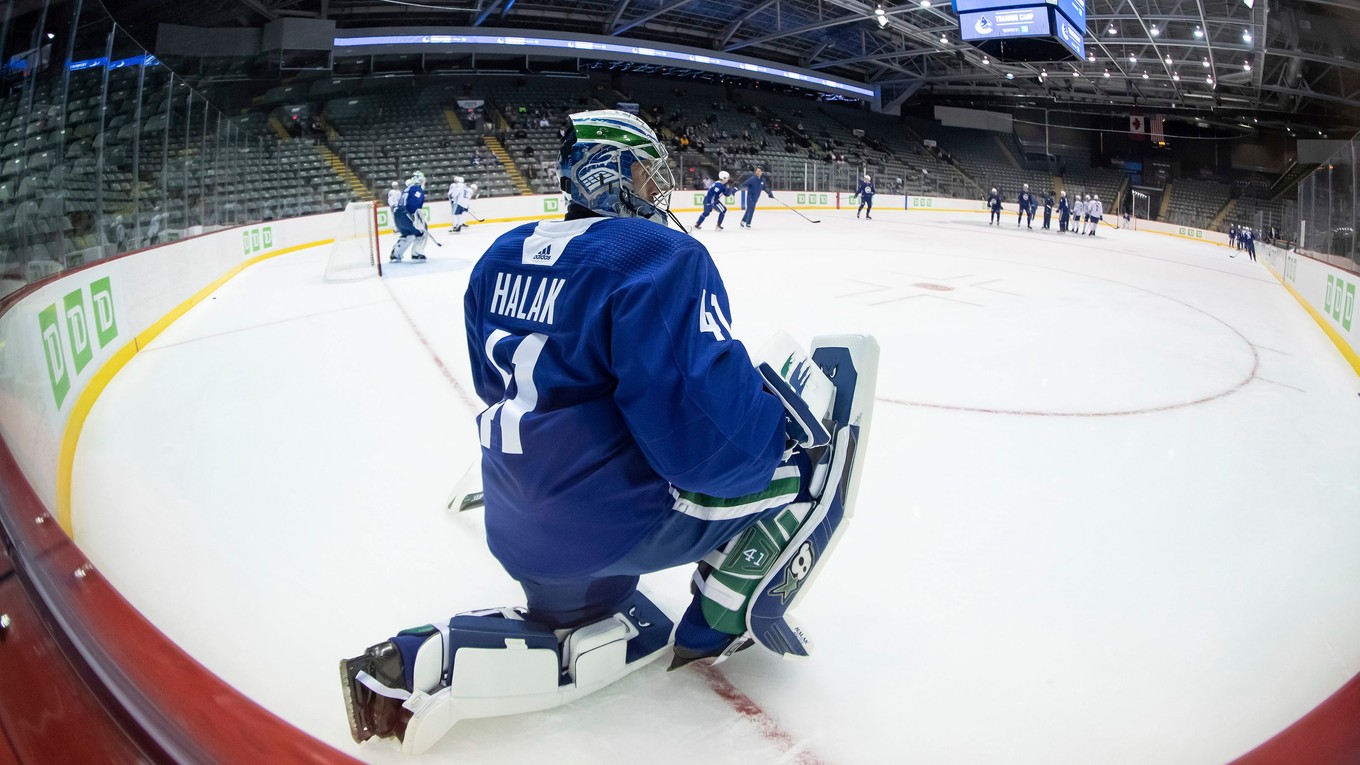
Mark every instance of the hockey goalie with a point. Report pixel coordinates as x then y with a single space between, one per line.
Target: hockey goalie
626 431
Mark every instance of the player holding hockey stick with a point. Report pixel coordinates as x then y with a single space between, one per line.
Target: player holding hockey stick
408 221
713 201
626 432
994 205
753 186
866 197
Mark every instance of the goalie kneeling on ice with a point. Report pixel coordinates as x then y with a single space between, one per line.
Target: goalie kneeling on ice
500 666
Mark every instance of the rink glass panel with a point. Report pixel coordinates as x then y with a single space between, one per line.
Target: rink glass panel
106 149
1329 209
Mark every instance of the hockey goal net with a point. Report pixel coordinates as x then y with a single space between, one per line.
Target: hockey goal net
1141 208
354 254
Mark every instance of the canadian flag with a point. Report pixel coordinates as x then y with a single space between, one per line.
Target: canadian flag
1136 123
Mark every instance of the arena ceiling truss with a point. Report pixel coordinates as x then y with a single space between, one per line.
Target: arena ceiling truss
1298 59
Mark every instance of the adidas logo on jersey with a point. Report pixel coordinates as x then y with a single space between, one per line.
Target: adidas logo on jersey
544 254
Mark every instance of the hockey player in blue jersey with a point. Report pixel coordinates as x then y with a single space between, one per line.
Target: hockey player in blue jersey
1064 212
866 197
1027 206
753 186
408 221
713 200
626 432
994 204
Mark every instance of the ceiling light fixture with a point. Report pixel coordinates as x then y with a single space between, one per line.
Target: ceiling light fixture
1010 76
1107 72
878 11
1246 65
1145 74
1176 76
1246 35
882 21
1206 63
1199 33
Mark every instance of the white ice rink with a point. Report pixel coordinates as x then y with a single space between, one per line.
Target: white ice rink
1110 513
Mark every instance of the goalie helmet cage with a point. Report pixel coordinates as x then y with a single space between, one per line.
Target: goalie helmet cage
354 253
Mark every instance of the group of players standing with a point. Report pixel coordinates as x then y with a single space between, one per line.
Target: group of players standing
412 227
1242 238
1081 216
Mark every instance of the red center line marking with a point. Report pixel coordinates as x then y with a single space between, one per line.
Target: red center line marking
438 362
768 726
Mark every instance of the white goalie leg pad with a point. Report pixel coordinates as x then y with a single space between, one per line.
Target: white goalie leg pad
503 666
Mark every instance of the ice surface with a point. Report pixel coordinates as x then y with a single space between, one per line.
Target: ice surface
1109 514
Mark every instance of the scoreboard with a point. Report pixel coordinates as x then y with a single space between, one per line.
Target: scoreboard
1024 30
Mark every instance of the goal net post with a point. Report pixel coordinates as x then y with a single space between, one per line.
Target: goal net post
1141 209
354 253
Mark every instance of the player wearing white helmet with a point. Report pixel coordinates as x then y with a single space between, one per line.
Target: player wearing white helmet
994 205
455 189
409 222
1095 210
393 194
1027 206
713 200
866 197
462 205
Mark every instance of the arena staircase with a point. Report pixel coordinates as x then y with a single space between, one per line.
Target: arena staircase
341 169
507 162
1008 154
1166 201
276 125
1222 215
1119 194
1057 188
455 124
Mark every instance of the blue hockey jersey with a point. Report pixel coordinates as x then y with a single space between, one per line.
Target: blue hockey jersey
715 193
866 189
603 350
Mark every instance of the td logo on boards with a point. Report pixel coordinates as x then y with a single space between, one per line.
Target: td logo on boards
1340 303
258 238
68 353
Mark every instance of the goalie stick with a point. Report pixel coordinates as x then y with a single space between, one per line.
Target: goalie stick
467 493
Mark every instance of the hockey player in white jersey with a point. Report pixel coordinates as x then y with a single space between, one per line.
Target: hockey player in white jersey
394 195
462 206
1095 210
626 431
409 222
1078 215
455 191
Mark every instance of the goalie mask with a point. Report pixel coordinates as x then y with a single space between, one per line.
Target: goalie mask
614 165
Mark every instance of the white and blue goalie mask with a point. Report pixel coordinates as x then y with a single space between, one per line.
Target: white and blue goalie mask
614 165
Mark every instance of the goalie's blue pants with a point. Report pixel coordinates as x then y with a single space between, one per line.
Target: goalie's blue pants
678 540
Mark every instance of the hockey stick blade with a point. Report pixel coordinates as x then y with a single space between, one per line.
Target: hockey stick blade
471 501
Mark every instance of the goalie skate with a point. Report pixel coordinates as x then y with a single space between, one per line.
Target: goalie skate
851 362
